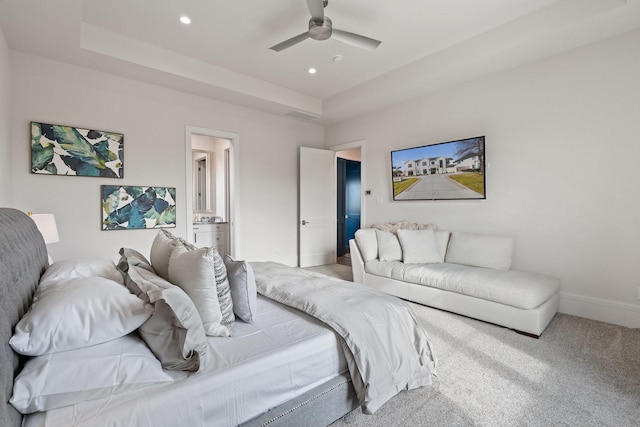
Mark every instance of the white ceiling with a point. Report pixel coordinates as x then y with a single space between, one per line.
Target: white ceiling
426 45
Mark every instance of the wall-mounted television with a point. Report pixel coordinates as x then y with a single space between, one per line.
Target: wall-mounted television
446 171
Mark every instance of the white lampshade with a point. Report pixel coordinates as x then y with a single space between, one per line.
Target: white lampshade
46 223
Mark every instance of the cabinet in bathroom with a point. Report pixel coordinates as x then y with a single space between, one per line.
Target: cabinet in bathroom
212 235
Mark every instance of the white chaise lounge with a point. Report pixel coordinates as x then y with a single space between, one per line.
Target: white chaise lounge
464 273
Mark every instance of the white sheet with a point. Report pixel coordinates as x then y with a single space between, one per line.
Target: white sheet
282 355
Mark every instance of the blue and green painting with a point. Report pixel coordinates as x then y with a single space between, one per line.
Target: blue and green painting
134 207
66 150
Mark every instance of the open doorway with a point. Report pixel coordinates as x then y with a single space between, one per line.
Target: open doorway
349 200
211 168
317 225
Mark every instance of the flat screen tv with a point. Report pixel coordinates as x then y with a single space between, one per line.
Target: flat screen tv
446 171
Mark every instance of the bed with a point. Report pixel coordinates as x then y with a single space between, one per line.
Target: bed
297 361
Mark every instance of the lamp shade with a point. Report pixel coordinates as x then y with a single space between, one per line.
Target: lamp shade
46 223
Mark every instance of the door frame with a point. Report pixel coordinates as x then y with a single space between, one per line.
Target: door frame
234 162
362 143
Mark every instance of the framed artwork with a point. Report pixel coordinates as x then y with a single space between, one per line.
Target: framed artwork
66 150
134 207
450 170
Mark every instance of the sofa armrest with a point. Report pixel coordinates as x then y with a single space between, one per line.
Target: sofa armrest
357 263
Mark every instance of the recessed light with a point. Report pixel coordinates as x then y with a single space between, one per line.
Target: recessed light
337 59
185 19
312 70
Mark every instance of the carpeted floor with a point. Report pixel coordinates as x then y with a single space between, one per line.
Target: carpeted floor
579 373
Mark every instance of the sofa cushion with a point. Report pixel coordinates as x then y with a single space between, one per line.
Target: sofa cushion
367 243
511 287
419 246
442 241
388 246
480 250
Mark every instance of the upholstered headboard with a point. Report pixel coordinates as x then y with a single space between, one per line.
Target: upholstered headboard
23 259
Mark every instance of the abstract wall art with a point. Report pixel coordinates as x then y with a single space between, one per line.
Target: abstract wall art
66 150
135 207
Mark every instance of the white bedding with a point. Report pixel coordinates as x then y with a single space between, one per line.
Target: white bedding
386 347
283 347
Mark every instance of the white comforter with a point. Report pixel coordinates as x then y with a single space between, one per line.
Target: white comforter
386 347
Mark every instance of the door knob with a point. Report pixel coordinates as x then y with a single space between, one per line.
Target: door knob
305 222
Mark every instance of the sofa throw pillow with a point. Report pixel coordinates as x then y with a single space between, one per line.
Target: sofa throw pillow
76 313
174 332
194 271
367 243
243 288
442 241
388 246
419 247
403 225
161 250
480 250
222 284
100 371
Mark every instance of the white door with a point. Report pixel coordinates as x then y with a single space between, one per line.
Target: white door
317 222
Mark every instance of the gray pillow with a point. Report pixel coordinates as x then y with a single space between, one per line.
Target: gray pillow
194 272
222 284
161 250
243 288
174 332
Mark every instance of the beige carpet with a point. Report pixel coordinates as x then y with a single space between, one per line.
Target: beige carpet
579 373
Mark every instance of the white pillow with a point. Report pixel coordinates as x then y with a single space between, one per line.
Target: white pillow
194 272
161 250
243 288
419 247
70 377
388 246
480 250
78 313
367 243
80 267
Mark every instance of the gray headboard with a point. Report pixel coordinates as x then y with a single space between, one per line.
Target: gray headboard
23 259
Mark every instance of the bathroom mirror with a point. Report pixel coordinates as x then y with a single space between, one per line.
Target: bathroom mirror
202 181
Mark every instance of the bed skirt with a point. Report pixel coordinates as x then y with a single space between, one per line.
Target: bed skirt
316 408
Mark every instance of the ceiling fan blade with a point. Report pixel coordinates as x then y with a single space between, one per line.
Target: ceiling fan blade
290 42
355 39
316 7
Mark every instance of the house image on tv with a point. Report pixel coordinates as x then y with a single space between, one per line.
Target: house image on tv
470 162
428 166
439 165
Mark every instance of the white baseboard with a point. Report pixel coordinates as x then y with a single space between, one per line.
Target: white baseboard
607 311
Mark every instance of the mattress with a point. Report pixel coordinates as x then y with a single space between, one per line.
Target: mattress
282 355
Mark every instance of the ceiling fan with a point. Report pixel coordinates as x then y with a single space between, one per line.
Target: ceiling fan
320 28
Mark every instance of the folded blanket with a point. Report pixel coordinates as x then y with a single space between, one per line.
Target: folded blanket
386 346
